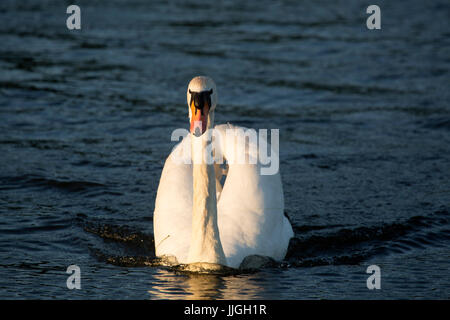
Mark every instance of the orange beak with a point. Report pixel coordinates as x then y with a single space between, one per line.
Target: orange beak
199 119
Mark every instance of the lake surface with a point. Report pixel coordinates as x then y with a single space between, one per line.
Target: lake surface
364 119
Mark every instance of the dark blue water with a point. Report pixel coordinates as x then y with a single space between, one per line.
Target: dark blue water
364 119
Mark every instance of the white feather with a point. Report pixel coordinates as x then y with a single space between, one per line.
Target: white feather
250 209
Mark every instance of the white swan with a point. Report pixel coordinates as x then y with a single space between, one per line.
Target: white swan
198 221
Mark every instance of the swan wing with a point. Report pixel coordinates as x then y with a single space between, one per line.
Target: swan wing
172 218
251 207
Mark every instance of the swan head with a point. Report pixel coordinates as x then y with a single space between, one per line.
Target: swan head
202 100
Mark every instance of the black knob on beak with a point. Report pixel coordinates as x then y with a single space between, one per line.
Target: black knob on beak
200 99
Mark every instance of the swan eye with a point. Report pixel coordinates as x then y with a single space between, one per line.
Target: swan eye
208 97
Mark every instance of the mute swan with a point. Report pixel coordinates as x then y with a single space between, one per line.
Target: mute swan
198 221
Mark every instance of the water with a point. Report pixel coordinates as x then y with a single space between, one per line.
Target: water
364 123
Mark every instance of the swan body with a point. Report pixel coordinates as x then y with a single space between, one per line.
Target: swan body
196 220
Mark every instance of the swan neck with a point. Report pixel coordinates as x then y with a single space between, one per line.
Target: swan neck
205 239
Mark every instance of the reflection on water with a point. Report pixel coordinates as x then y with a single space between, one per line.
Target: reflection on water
168 285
